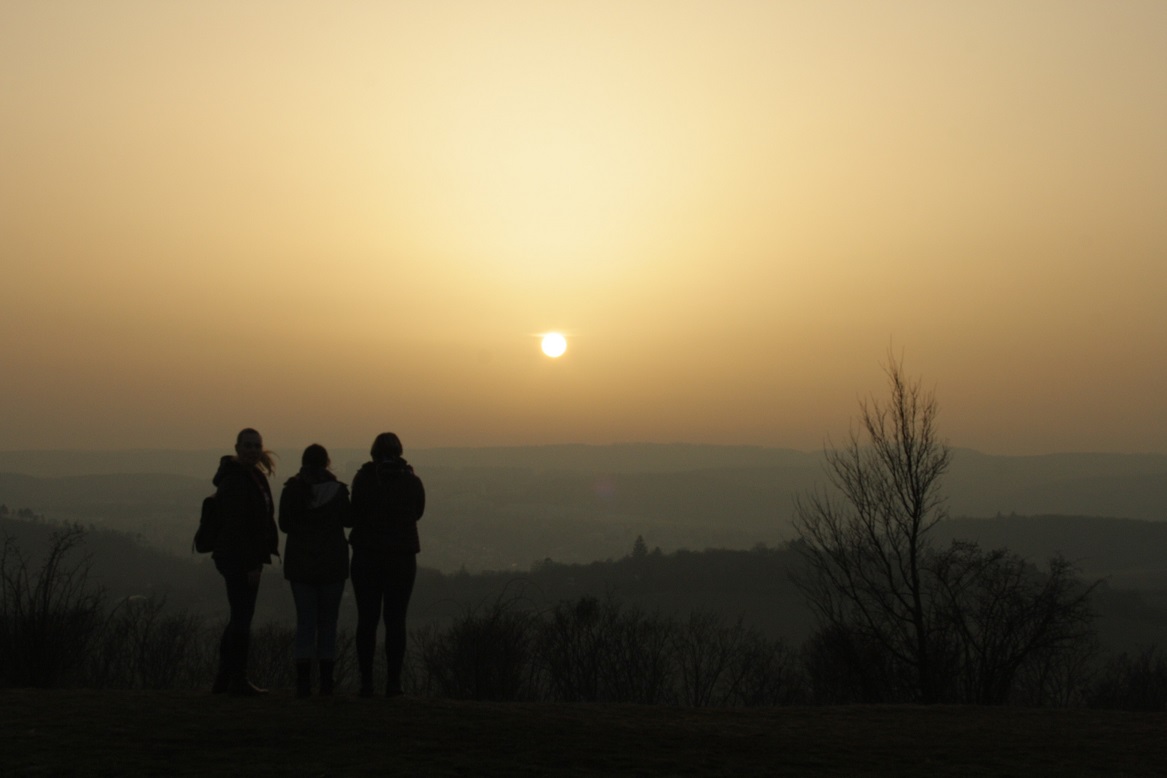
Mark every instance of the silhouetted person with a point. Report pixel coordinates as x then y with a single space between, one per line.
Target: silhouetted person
245 543
388 499
314 510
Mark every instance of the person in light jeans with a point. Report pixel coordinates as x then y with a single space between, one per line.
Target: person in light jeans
314 512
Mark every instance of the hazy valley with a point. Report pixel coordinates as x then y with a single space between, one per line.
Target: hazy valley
552 523
507 508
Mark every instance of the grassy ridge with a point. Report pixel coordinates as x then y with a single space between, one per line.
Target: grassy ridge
186 733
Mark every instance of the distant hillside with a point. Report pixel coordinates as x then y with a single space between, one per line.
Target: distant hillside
1130 486
638 457
121 565
1128 551
505 508
162 509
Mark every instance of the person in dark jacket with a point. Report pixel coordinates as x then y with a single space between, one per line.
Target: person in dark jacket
246 542
388 499
314 510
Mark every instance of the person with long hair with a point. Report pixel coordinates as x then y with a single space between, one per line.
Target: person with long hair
246 541
388 499
314 511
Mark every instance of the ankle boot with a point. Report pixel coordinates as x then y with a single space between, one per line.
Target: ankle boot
222 682
241 687
303 677
326 681
366 684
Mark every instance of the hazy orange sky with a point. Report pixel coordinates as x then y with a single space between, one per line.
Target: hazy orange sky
326 219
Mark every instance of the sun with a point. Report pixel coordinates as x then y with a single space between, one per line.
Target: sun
554 344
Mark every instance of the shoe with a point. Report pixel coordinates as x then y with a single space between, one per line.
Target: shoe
326 681
303 677
245 688
221 685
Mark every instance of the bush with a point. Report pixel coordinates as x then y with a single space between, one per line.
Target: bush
1133 683
484 655
570 647
589 650
639 656
50 615
55 630
142 647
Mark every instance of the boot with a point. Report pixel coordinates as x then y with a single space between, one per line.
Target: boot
241 687
227 663
326 681
234 651
366 684
393 664
222 682
303 677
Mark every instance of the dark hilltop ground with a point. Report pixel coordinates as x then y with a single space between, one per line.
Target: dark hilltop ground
85 733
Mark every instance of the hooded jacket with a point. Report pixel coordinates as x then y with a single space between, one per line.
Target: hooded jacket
314 510
388 500
248 538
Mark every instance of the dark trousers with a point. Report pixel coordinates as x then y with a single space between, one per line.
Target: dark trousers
382 586
317 611
236 641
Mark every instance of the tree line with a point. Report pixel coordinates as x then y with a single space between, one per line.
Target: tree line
57 630
898 616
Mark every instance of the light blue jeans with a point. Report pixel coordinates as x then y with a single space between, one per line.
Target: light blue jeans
317 610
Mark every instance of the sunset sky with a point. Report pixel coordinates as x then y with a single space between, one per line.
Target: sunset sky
327 219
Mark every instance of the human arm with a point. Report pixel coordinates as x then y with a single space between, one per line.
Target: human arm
291 506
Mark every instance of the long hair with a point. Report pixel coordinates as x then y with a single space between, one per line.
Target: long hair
266 461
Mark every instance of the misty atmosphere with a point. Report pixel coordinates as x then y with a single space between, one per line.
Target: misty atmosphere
708 388
673 529
585 560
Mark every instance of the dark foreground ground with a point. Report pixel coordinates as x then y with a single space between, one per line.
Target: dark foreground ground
61 733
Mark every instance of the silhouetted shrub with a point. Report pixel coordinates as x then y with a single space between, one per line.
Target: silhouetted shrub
487 654
1060 676
843 667
704 650
570 646
726 664
142 647
50 614
1127 682
639 656
55 630
270 662
590 650
768 674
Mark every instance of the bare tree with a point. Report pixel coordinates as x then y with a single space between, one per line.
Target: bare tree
907 621
1006 619
707 655
865 543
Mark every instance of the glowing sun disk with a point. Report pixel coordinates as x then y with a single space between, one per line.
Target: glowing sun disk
554 344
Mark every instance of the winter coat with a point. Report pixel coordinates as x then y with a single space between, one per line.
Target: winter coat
388 500
314 510
248 537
